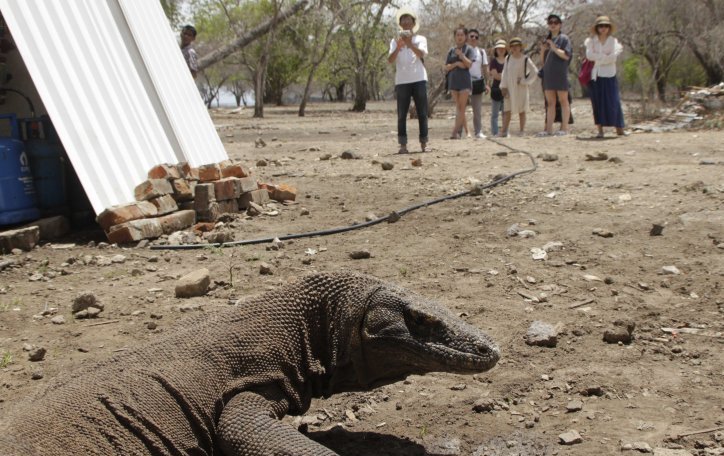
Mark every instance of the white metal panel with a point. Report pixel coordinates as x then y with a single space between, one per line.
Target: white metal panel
186 113
99 86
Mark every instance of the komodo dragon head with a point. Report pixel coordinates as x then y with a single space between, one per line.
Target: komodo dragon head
401 333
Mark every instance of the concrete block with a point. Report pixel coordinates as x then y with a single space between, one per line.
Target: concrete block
117 215
22 238
234 170
208 173
152 188
260 197
134 231
182 191
177 221
203 196
164 171
52 227
248 184
210 214
227 188
164 204
193 284
228 206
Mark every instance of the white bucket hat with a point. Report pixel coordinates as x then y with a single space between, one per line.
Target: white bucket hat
408 12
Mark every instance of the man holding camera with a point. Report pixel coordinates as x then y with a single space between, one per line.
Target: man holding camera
408 51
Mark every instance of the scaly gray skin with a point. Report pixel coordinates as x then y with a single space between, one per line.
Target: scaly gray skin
220 382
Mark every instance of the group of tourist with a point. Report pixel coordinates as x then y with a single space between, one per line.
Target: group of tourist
506 78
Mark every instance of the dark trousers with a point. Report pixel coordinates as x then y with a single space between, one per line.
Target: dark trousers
413 91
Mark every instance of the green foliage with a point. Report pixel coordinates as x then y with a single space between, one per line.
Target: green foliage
6 360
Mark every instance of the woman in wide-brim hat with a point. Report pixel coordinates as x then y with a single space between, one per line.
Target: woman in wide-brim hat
603 49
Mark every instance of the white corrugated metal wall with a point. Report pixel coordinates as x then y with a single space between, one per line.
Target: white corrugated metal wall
113 104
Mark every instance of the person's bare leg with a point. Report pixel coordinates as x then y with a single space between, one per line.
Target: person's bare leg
565 109
551 111
521 120
506 123
456 128
462 104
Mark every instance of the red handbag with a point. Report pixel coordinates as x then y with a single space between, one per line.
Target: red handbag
584 76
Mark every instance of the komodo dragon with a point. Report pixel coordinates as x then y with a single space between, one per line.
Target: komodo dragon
219 383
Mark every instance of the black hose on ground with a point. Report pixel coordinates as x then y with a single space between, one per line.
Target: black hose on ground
391 218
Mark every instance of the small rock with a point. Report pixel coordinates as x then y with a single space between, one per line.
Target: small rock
443 447
37 374
459 387
387 166
151 325
656 230
265 269
85 300
574 406
553 246
670 270
261 163
36 354
571 437
416 162
92 312
484 405
538 253
259 143
118 259
548 157
671 452
325 157
541 334
603 233
622 331
525 234
58 320
359 254
350 155
641 447
513 230
193 284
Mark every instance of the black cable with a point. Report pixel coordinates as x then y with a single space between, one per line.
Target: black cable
27 99
392 218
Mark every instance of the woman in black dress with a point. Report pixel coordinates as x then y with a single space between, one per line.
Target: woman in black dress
460 83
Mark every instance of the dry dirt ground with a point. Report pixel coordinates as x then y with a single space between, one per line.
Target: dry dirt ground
459 252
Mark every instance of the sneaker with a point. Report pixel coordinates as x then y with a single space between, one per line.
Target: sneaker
542 134
504 135
480 135
599 135
403 150
560 133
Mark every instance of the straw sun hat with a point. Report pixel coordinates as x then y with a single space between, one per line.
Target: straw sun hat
408 12
500 44
514 41
603 20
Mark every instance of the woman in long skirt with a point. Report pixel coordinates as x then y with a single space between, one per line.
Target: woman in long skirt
603 49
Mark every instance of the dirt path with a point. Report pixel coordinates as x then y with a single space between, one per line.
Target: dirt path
460 253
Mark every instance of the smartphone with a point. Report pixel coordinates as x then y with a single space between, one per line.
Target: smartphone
405 33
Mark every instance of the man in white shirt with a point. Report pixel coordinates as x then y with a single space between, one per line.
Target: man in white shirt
478 70
408 51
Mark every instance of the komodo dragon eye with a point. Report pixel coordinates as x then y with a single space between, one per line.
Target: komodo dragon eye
423 326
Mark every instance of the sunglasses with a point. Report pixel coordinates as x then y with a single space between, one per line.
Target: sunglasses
473 37
554 22
603 25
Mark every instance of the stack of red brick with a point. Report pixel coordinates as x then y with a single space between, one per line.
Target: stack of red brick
175 196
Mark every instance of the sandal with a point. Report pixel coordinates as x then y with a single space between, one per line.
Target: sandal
560 133
542 134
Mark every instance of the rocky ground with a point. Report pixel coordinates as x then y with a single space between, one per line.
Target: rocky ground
630 321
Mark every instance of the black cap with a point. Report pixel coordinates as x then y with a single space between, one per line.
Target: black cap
554 16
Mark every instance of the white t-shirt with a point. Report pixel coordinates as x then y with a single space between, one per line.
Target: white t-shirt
409 66
481 58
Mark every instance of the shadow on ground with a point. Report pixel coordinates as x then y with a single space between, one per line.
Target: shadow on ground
348 443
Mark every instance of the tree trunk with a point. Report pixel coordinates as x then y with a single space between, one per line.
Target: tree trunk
360 92
224 51
339 88
713 69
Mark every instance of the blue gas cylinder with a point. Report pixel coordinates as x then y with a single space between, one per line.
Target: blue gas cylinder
45 153
17 193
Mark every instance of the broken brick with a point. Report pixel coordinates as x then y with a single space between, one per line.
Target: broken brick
227 188
134 231
182 191
164 171
283 192
210 214
208 173
234 170
248 184
228 206
177 221
117 215
164 204
152 188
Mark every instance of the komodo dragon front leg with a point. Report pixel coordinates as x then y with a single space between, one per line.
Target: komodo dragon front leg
249 426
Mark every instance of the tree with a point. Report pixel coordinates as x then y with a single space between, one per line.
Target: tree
362 26
324 24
